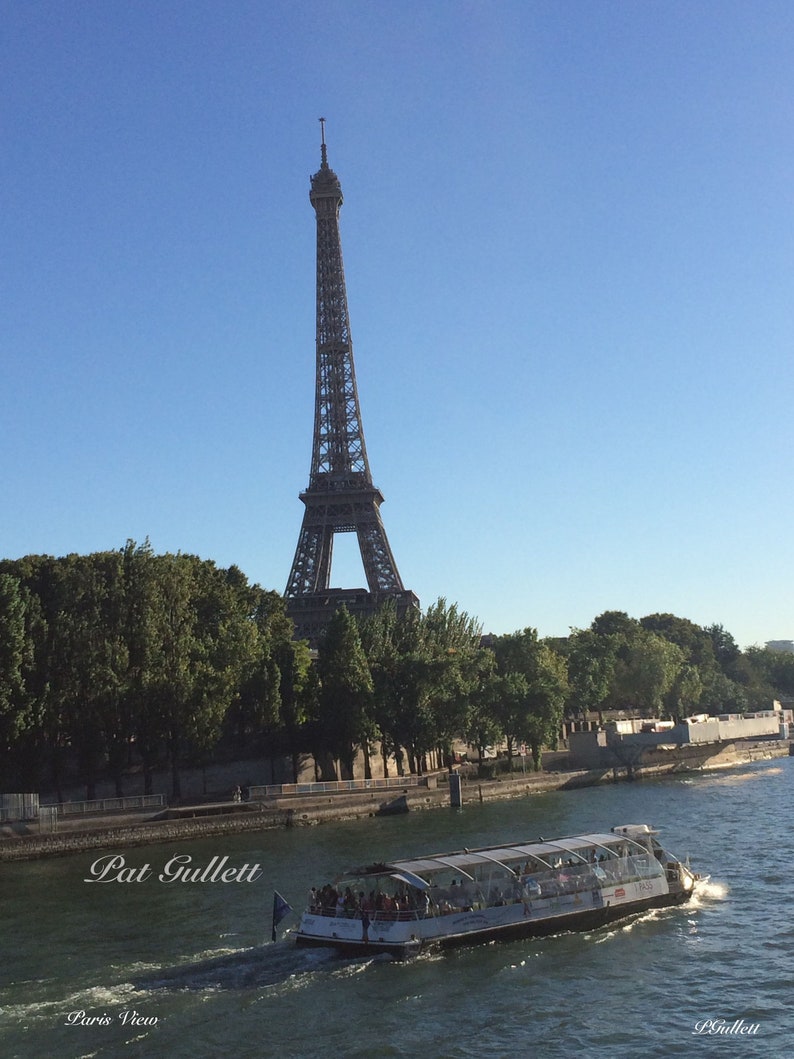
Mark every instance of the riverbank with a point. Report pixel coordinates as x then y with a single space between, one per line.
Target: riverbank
204 821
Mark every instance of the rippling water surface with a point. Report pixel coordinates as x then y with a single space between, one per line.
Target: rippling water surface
194 961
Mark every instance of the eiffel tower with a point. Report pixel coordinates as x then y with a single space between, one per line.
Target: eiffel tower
340 497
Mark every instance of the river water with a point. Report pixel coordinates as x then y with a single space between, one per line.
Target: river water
192 966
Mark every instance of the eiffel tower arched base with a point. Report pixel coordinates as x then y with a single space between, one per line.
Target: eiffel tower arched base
312 612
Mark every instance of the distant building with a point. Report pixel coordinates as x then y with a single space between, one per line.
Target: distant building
780 645
624 742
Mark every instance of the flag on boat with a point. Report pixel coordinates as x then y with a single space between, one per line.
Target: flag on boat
281 908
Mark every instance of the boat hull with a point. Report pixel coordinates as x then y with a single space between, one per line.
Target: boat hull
574 922
399 950
527 928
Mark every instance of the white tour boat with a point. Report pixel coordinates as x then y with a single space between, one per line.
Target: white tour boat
520 890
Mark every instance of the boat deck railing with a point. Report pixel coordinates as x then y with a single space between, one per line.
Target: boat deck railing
376 916
522 888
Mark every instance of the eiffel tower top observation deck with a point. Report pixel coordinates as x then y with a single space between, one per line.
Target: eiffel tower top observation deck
340 497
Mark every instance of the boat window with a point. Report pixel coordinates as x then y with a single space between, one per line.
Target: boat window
410 879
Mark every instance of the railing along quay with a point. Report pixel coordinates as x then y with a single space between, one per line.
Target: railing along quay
278 790
107 805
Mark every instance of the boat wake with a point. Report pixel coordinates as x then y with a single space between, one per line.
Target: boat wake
93 998
271 968
260 967
732 779
626 926
709 892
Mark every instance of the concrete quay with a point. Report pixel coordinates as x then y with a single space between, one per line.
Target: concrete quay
25 842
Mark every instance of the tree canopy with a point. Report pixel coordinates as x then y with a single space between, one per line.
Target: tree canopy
130 657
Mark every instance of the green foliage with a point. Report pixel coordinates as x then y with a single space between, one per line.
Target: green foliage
720 694
646 670
758 672
344 717
726 650
208 643
297 694
591 668
12 655
534 690
696 643
685 693
665 665
130 649
777 668
128 655
426 672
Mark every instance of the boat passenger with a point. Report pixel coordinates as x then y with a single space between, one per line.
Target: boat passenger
495 896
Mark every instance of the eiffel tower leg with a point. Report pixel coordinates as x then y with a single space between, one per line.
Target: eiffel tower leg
311 567
376 555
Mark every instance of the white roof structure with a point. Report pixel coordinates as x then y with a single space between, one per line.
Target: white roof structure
467 860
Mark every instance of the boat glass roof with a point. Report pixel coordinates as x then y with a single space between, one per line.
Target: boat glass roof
467 860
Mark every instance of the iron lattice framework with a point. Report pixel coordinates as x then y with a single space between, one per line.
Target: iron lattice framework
340 497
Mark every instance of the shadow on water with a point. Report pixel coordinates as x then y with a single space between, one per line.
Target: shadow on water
263 965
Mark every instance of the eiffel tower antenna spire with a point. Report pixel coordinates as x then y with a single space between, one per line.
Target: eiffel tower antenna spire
340 497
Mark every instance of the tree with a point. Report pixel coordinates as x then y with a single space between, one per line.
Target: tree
294 665
93 629
142 636
46 737
456 665
695 641
645 672
497 708
591 667
426 669
726 650
12 656
762 675
27 759
344 720
614 623
685 692
721 695
255 709
774 668
205 639
393 645
537 713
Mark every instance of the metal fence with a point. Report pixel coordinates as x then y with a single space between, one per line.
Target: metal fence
335 786
48 818
108 805
19 806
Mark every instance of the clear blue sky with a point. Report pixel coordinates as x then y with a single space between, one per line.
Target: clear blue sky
569 250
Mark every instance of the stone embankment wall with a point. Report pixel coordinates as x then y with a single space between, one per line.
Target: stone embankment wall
101 836
303 812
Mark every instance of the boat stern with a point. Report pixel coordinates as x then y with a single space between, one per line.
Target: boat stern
359 935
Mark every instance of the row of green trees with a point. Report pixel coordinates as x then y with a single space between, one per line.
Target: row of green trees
130 658
121 655
663 665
